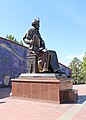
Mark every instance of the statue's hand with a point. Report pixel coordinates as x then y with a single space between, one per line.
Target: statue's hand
40 49
44 50
30 42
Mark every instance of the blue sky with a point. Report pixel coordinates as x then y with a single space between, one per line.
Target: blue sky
63 24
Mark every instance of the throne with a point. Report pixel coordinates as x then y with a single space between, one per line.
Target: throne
32 63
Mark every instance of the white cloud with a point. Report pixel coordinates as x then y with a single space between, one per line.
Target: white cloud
67 59
70 57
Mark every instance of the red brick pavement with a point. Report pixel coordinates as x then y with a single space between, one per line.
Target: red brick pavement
81 115
17 109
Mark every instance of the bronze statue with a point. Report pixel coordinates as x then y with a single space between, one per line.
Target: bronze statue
47 59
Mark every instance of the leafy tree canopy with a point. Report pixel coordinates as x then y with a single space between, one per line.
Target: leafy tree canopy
78 70
12 38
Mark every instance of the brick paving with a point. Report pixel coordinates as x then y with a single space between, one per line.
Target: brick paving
18 109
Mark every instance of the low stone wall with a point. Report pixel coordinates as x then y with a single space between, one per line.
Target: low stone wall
12 61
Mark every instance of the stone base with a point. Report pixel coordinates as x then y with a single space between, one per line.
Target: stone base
45 87
69 96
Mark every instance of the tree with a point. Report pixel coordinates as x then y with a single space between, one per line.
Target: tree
75 65
83 70
16 41
21 43
12 38
78 70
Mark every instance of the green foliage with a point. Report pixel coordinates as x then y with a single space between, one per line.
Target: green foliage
21 43
83 70
78 70
12 38
16 41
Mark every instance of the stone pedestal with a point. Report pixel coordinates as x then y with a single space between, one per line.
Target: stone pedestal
44 87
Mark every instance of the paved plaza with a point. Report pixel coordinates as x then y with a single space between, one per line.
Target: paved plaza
19 109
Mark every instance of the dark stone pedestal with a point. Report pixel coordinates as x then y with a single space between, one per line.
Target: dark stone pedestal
44 87
69 96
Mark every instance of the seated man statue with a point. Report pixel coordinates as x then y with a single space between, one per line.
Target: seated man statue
47 59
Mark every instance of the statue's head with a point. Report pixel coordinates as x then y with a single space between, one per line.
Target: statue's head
36 23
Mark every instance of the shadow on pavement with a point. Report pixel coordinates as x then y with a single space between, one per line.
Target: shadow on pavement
5 92
82 99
